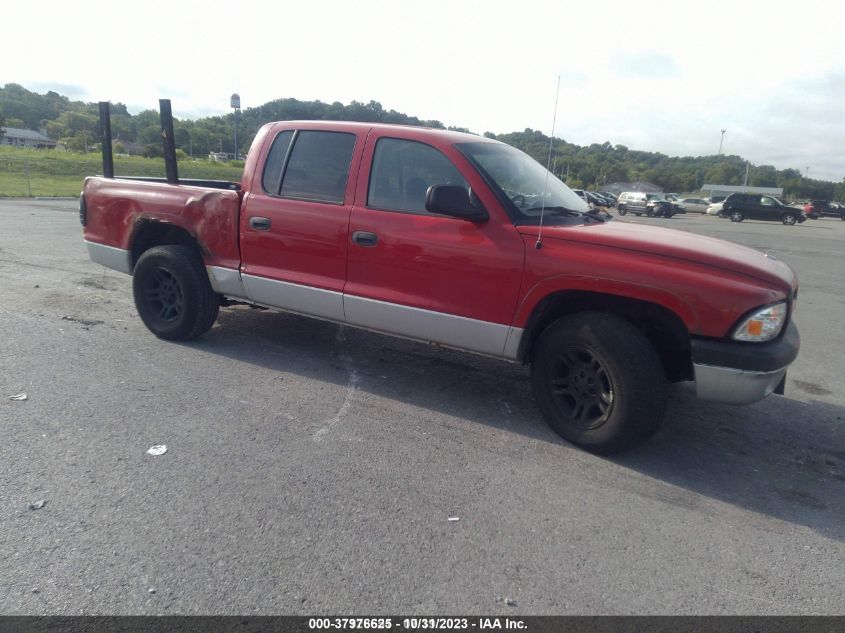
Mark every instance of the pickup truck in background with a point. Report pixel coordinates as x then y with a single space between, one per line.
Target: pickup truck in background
461 241
816 209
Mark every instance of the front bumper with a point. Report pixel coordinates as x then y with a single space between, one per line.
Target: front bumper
742 373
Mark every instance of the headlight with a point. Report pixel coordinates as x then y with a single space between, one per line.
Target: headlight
763 325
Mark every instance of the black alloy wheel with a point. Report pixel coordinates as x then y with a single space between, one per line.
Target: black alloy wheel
581 387
163 295
598 381
172 293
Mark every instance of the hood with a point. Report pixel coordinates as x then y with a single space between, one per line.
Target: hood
674 244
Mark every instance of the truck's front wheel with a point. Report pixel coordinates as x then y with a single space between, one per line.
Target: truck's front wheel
598 382
172 293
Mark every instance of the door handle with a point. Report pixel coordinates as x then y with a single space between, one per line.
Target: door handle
365 238
259 224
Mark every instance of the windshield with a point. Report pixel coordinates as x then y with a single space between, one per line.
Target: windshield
526 183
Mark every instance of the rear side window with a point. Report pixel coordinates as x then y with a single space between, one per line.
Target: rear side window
403 171
318 166
271 179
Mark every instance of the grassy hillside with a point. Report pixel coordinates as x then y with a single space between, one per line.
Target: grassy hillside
25 172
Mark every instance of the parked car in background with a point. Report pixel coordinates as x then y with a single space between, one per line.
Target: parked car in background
715 199
816 209
604 201
753 206
698 205
583 195
593 199
715 209
639 203
610 196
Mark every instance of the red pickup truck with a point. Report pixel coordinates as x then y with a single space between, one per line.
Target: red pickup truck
461 241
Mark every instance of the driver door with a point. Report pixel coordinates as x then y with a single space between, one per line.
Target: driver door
767 208
424 275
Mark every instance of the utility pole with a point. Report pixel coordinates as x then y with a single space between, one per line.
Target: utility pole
747 166
235 103
722 141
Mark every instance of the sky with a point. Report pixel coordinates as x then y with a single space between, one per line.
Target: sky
650 75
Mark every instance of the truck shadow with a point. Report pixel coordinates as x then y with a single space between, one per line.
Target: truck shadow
781 457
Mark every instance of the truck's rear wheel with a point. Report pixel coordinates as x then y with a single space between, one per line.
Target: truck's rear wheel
172 293
598 382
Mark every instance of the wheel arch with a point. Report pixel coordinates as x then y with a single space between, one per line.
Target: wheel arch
149 233
660 325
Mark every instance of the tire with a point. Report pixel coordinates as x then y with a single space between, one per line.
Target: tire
736 216
789 219
668 214
650 212
598 382
172 293
622 210
842 217
639 215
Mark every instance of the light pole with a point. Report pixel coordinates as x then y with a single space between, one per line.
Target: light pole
722 141
235 103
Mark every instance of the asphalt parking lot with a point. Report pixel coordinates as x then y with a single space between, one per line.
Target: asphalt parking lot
313 468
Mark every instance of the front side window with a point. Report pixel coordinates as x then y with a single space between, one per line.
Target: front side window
768 202
403 171
318 167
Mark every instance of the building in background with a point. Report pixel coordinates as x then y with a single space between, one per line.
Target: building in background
723 191
620 187
18 137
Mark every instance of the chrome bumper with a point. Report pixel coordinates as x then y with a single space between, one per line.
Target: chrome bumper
115 258
735 386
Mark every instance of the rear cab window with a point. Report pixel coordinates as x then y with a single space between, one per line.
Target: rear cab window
309 165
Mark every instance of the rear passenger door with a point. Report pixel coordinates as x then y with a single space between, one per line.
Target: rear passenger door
294 225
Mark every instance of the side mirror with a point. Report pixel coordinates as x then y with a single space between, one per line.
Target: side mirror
454 201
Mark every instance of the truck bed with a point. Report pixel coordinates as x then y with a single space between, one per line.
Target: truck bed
116 209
